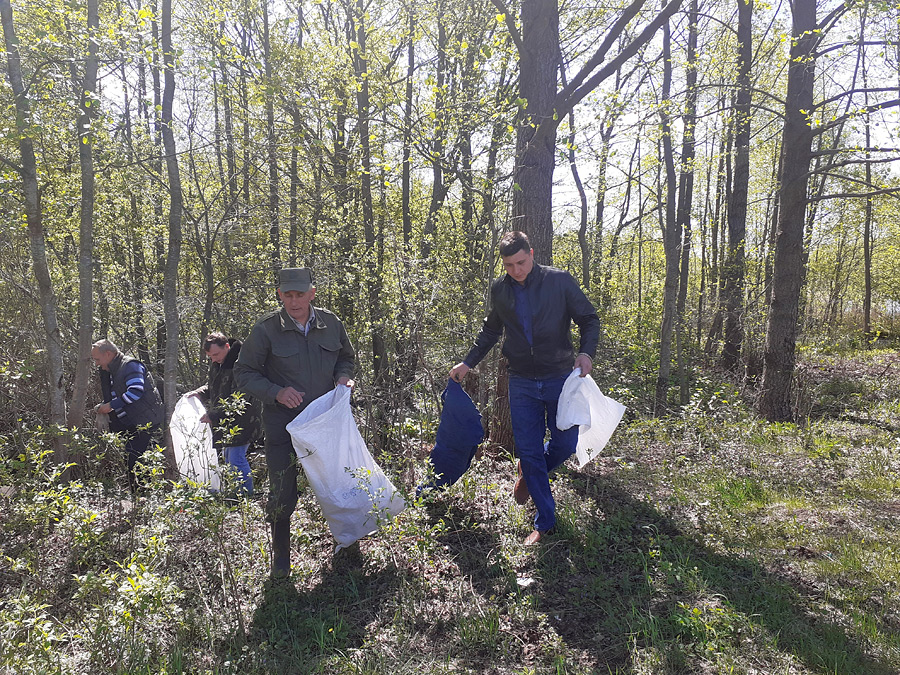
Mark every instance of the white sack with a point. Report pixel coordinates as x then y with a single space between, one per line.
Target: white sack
192 443
581 402
352 490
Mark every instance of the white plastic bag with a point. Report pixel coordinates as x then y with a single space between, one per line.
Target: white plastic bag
192 443
354 494
581 402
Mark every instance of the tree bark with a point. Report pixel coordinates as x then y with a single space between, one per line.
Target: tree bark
89 106
671 236
272 147
782 327
173 255
734 269
438 189
36 236
535 153
686 194
373 278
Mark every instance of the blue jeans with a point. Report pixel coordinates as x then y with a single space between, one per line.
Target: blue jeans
236 456
532 406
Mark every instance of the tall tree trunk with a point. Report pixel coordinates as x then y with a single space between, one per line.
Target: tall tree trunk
867 225
583 220
737 205
438 190
407 131
715 276
133 225
89 106
373 279
671 235
272 147
782 328
293 216
686 194
35 225
173 256
536 153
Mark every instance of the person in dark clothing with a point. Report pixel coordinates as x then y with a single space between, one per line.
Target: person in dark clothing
130 399
535 306
234 415
291 357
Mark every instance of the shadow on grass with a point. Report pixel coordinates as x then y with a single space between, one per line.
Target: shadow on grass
293 631
636 577
476 551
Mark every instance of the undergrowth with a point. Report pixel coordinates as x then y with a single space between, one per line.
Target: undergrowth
706 542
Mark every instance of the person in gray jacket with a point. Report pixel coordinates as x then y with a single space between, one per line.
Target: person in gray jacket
292 356
130 399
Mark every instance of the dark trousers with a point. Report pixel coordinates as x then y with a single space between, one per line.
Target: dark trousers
137 440
281 461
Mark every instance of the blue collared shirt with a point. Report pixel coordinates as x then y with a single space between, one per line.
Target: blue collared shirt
304 328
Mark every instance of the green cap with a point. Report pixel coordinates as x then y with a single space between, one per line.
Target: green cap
295 279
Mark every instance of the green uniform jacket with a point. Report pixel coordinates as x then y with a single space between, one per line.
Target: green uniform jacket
278 355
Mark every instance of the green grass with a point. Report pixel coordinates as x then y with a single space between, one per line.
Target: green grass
707 543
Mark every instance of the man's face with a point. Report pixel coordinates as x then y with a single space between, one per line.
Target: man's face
297 303
101 358
519 264
217 353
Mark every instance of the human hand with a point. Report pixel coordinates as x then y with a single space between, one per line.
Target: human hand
458 372
206 419
103 409
290 397
584 362
347 382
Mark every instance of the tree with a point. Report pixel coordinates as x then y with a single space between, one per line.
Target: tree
28 171
89 107
781 329
173 255
545 106
733 270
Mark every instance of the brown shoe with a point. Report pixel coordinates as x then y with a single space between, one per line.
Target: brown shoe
534 538
520 489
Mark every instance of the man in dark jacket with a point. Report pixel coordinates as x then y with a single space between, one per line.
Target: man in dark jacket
130 399
292 356
234 416
535 306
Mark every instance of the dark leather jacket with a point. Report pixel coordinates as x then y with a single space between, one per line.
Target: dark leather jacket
556 301
233 422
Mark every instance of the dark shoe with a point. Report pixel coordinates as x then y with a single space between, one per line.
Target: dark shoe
520 489
281 549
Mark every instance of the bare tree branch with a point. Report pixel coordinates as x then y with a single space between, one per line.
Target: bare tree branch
565 104
855 113
851 92
611 36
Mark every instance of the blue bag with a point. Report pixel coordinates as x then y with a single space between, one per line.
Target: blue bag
458 436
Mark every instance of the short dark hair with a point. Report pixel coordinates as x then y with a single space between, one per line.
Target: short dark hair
513 242
215 338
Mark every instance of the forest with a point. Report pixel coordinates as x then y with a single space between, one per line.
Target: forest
721 177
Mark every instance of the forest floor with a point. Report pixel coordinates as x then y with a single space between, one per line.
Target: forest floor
707 542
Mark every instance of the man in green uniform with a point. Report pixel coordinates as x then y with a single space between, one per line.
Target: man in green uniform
292 356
